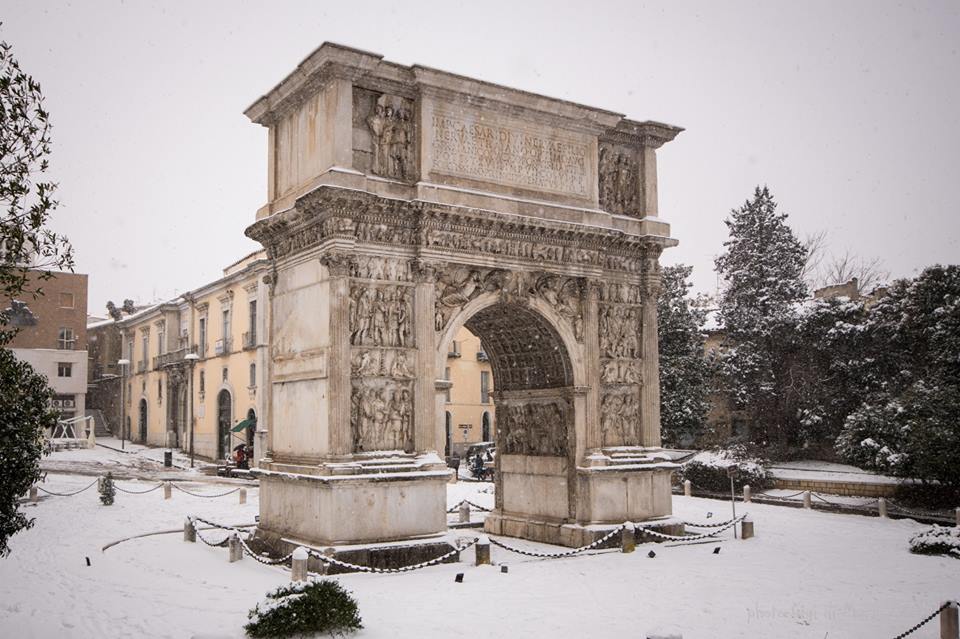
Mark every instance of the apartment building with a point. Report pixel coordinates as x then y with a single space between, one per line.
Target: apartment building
470 415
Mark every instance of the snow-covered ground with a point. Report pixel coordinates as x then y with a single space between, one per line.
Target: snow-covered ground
814 470
806 574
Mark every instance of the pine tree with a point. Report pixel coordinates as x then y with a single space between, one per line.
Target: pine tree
762 270
684 373
107 490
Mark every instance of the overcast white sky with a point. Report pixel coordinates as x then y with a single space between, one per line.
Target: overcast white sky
849 111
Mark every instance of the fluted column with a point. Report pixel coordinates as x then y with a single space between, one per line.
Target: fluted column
591 352
649 344
427 435
338 365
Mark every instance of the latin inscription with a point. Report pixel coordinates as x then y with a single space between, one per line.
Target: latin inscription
509 156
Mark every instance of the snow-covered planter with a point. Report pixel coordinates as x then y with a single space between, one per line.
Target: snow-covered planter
708 470
304 608
938 540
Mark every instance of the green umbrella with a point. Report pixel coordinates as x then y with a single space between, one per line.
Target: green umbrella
247 423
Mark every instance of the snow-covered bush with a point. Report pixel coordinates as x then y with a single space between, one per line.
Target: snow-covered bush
305 608
107 490
938 540
708 470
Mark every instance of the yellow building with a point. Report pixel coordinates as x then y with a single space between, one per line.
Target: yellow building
470 414
203 354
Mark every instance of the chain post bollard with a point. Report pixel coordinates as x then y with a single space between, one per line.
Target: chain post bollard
882 507
243 495
236 550
806 500
189 532
747 494
483 551
687 488
464 512
628 542
949 623
167 490
298 564
746 528
33 494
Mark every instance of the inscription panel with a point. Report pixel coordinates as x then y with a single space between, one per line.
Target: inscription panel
509 154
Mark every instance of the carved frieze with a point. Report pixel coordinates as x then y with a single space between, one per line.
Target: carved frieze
381 415
619 331
537 428
381 362
384 136
565 294
381 315
381 268
619 179
620 416
458 285
620 371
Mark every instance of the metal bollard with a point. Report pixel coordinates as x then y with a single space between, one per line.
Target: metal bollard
483 551
236 550
298 564
189 532
882 507
167 490
243 495
628 542
746 528
33 495
806 500
747 494
686 487
949 624
464 512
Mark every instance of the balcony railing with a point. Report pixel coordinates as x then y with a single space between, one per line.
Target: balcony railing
142 366
173 357
223 346
249 340
482 356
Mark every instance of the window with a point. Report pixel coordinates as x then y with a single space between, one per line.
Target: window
484 387
253 322
159 391
224 373
66 300
64 369
203 385
446 376
253 375
145 348
130 350
65 339
203 335
161 338
225 326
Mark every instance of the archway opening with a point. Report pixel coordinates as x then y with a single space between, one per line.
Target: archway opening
251 427
224 415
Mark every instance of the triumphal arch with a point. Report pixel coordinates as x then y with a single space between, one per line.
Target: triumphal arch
406 202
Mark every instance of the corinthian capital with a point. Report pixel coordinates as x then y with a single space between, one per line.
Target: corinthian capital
339 264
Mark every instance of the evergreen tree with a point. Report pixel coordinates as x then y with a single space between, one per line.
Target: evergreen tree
107 490
684 373
761 269
908 425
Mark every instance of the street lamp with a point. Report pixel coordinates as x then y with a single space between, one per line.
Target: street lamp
123 363
192 358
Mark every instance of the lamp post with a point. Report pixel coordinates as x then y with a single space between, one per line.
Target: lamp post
123 363
192 358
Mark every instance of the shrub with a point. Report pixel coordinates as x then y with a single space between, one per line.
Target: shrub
303 608
708 470
927 496
938 540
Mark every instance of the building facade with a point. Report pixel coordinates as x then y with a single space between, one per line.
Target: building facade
469 411
196 365
52 336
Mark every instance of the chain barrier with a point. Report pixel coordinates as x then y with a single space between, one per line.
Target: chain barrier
424 564
557 555
266 561
456 507
936 612
138 492
917 513
869 502
77 492
716 525
184 490
729 524
781 497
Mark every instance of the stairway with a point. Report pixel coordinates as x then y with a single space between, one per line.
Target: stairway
99 423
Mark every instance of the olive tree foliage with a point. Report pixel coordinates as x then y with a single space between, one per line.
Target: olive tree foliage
28 252
26 199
